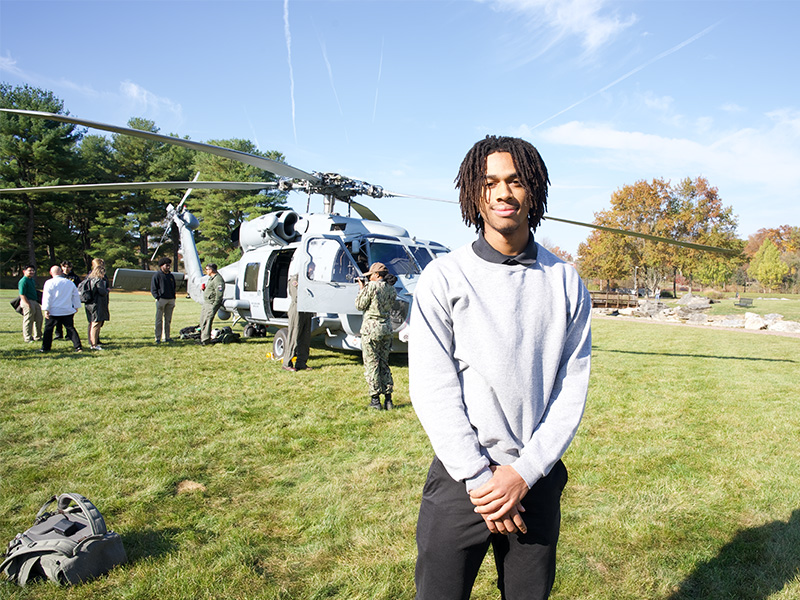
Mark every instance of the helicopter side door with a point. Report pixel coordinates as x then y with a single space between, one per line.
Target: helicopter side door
327 278
251 281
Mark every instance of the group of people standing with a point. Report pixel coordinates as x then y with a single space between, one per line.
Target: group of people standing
61 299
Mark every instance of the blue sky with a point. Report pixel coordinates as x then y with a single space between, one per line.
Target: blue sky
396 92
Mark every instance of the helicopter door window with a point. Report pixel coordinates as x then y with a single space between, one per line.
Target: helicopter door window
331 260
251 277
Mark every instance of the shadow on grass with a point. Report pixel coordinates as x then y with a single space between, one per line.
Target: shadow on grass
755 564
676 355
149 543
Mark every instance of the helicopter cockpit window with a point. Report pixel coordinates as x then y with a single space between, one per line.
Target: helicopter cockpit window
332 262
422 255
251 277
394 256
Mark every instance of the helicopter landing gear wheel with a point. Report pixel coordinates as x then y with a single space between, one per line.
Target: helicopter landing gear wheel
279 343
250 331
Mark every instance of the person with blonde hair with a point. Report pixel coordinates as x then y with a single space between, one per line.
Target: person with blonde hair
97 314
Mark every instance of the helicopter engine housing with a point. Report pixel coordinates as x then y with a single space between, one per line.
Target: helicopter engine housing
278 227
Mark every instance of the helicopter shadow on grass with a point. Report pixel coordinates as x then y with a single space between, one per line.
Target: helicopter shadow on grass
755 564
684 355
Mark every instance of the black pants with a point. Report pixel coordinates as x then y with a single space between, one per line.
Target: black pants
67 322
452 540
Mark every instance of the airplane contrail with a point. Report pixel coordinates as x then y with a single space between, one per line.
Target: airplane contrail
253 129
664 54
288 35
377 84
333 86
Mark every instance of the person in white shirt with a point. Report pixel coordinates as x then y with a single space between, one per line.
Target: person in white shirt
60 302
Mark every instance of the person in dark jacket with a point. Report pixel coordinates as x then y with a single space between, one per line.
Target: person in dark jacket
97 309
162 287
66 267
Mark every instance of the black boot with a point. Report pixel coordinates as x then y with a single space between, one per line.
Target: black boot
375 402
389 405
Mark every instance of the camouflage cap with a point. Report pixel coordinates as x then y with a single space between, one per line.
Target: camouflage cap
377 267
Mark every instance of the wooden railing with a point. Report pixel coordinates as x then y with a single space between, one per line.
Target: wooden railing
613 300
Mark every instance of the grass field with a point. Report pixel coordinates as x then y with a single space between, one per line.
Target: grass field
788 306
683 477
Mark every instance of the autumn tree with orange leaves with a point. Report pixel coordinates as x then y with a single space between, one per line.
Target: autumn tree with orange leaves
690 211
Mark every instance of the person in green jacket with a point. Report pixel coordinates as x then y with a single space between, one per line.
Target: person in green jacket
31 309
212 301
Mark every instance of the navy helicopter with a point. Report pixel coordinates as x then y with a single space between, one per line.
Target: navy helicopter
331 251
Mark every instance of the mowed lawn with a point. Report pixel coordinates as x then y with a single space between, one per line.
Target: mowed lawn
683 477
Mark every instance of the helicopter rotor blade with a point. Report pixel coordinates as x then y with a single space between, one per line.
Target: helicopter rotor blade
280 169
147 185
647 236
363 211
389 194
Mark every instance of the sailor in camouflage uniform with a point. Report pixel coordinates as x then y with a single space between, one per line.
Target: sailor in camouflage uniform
376 300
212 301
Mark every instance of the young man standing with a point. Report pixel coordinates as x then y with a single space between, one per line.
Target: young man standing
499 356
31 309
162 287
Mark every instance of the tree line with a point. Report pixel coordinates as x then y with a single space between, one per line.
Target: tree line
692 211
123 228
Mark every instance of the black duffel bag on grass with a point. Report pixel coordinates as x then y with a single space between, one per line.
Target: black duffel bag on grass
68 546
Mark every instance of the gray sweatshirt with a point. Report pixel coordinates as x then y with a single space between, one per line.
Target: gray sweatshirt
499 362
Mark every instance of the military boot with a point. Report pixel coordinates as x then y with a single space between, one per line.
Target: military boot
389 405
375 402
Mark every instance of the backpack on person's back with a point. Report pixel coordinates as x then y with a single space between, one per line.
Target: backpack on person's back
86 291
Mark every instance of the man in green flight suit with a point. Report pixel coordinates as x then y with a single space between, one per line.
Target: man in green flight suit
212 301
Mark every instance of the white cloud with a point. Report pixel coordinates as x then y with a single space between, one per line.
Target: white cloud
585 19
147 102
766 157
9 65
660 103
730 107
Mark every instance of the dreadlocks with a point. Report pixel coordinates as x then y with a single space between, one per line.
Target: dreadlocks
531 170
